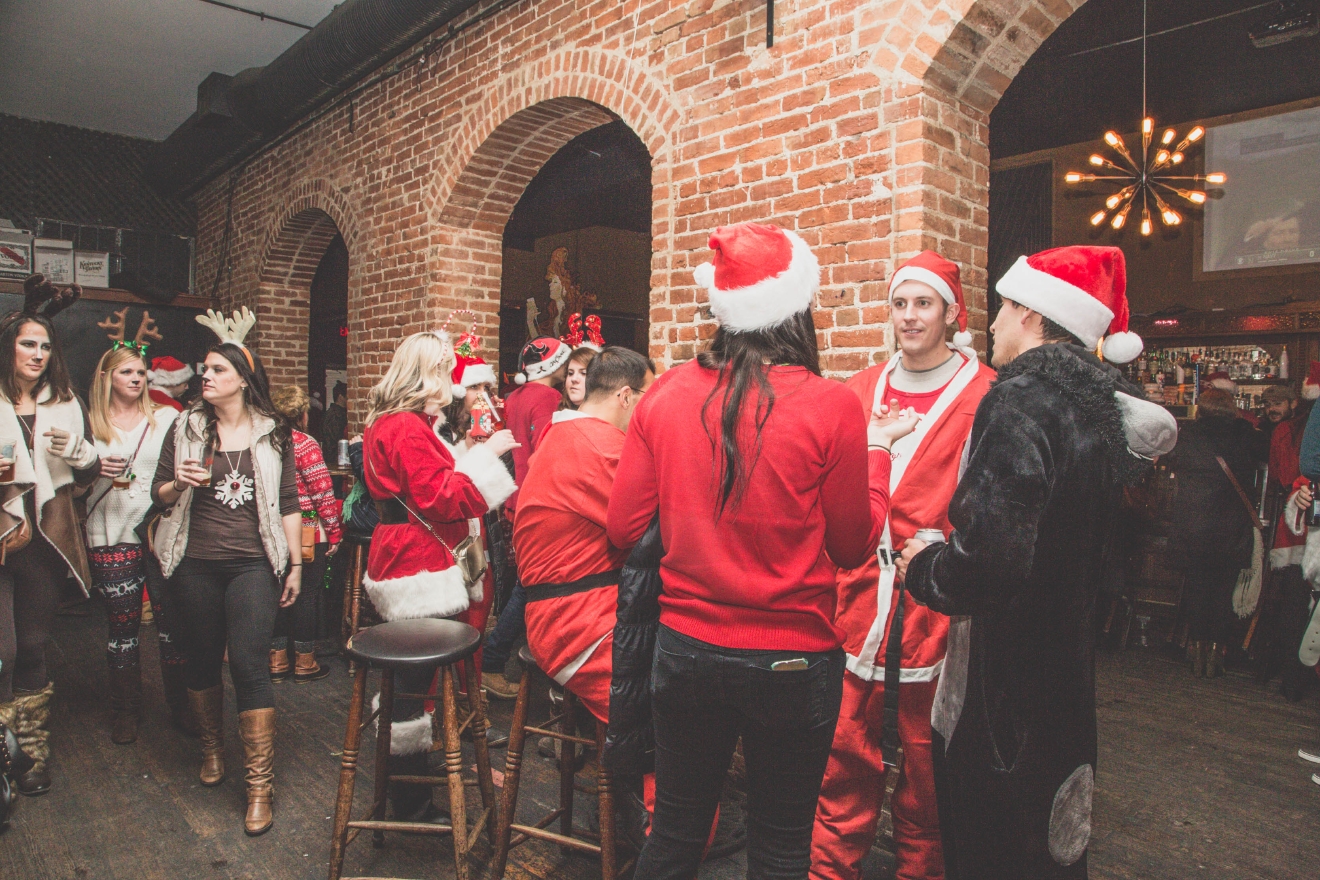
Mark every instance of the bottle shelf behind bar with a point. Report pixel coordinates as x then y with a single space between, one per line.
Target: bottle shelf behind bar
1177 375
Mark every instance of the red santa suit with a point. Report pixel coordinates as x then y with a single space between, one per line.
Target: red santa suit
559 538
923 478
410 574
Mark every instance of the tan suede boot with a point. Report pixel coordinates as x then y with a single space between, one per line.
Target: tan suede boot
279 664
307 669
256 727
208 708
31 717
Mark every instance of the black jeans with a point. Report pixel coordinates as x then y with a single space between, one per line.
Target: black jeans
31 582
509 628
704 698
1208 598
229 603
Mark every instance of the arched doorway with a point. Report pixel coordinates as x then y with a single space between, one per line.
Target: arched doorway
579 242
327 329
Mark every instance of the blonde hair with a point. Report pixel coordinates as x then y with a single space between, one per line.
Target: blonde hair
291 402
419 373
99 399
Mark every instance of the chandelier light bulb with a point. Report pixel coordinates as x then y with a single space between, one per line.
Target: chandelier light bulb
1145 226
1112 202
1113 139
1072 177
1096 159
1195 134
1216 177
1195 196
1147 125
1161 157
1170 217
1119 219
1177 158
1097 218
1169 135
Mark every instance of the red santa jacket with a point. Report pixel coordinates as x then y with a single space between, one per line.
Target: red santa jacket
559 536
1285 469
923 478
409 573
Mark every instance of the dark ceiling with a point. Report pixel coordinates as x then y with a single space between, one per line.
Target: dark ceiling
600 178
1208 70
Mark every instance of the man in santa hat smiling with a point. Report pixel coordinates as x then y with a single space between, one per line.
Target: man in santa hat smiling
895 648
1053 443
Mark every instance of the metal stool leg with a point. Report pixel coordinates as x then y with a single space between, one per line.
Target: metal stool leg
605 796
480 727
512 771
454 770
348 773
567 763
383 731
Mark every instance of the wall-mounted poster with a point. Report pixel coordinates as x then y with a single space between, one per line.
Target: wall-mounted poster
1269 212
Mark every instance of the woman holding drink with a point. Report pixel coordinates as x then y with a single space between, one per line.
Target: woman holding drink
128 428
231 533
46 454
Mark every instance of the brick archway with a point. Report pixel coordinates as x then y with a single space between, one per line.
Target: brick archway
301 233
952 73
523 120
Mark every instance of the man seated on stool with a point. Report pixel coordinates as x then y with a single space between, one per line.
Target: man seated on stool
570 569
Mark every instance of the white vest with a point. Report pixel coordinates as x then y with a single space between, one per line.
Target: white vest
267 470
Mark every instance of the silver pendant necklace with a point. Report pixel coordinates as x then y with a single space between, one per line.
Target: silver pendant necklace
236 488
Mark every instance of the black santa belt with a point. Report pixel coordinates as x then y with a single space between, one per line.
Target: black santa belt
392 512
541 592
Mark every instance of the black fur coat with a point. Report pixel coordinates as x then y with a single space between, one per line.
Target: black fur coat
1034 516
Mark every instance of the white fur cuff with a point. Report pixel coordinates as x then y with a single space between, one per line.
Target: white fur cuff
425 594
411 737
488 474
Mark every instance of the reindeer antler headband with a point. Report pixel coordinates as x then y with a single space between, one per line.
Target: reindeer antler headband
232 330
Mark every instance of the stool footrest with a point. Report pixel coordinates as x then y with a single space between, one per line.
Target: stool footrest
432 780
405 827
562 737
542 834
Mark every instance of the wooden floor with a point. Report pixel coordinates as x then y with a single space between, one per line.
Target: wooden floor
1197 779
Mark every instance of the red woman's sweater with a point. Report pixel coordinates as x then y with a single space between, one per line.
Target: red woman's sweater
762 574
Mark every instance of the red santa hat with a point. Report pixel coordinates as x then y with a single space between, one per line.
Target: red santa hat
760 277
469 368
1222 381
945 278
541 357
1311 384
167 372
1083 289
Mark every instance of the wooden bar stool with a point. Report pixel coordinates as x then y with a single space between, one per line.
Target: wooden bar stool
353 595
568 836
409 643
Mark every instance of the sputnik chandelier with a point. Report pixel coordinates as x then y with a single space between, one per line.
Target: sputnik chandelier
1153 179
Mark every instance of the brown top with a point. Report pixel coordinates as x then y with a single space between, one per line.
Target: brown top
223 519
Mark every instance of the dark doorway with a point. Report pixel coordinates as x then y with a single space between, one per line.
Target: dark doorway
327 333
579 240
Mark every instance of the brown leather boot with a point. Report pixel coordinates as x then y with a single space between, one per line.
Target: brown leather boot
126 703
256 727
307 669
279 664
208 708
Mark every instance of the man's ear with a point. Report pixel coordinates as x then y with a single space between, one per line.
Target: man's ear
951 312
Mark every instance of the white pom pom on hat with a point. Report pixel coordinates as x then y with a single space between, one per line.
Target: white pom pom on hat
760 277
1083 289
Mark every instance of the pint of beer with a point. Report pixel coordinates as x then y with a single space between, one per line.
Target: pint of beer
125 478
207 461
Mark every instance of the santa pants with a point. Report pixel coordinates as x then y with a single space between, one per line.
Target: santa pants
854 787
591 685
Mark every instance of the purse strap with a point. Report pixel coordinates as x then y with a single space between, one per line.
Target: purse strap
1242 494
425 524
146 429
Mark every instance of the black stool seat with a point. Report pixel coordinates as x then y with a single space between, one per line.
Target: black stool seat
425 642
525 656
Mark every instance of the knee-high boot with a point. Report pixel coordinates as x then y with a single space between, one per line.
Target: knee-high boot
257 729
125 702
208 711
31 726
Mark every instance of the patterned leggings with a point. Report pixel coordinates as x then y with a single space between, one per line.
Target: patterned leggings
118 574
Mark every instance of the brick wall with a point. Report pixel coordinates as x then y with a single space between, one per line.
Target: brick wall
864 129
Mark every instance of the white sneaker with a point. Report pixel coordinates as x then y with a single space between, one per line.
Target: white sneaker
1315 777
1312 755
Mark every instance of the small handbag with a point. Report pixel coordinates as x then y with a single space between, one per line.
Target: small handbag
469 554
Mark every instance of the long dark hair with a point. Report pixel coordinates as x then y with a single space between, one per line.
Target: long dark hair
56 376
742 360
256 397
